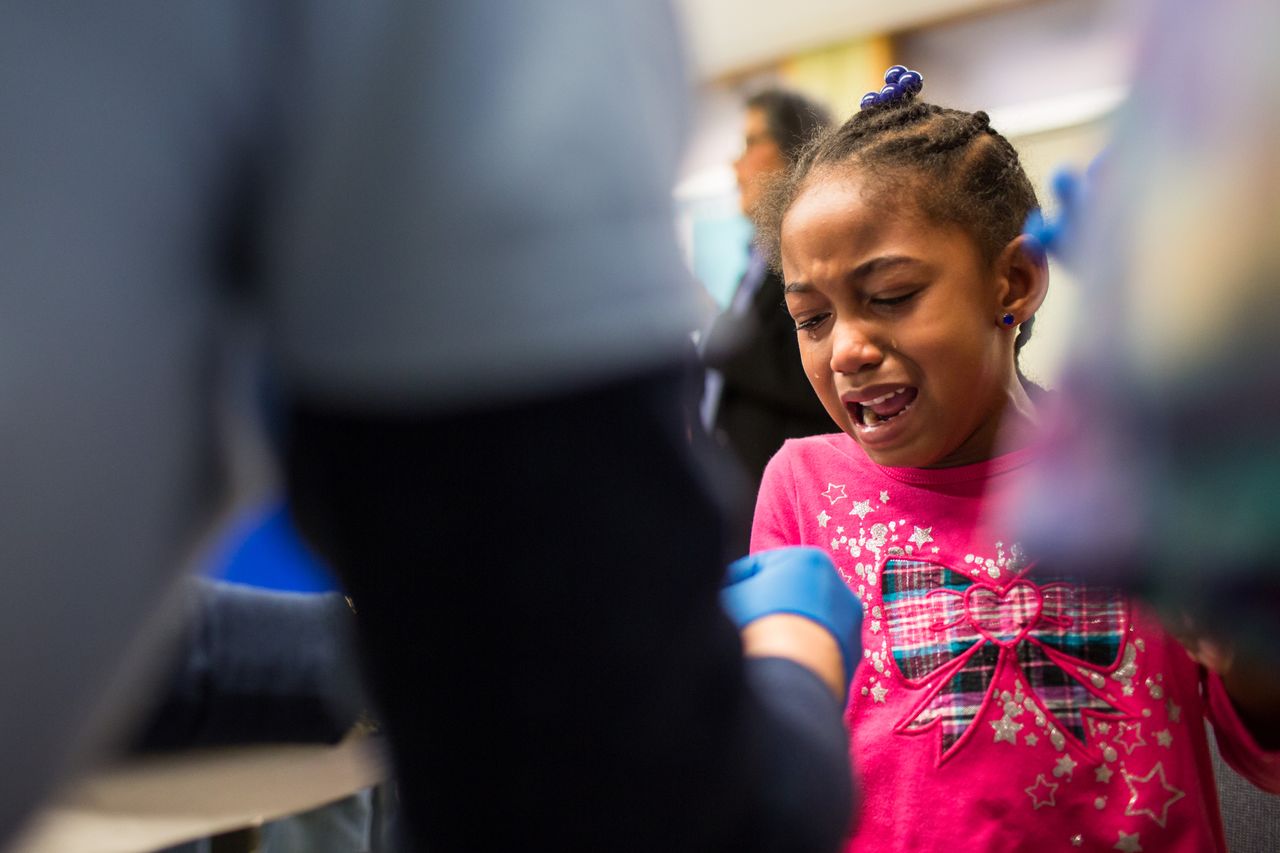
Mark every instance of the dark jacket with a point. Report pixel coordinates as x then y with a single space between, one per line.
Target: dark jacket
766 397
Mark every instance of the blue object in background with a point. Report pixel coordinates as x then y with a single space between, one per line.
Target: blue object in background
720 250
262 548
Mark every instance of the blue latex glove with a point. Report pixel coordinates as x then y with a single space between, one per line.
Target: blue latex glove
796 580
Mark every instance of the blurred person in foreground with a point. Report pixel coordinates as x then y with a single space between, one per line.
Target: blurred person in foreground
757 395
463 247
1166 472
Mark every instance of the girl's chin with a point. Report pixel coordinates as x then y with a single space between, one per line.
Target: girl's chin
894 456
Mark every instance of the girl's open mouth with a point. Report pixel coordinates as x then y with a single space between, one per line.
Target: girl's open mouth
883 409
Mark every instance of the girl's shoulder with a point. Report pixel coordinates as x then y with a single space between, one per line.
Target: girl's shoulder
819 457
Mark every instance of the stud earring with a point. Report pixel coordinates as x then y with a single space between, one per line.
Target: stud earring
1007 319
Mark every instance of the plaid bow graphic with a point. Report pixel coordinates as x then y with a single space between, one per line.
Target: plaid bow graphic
951 635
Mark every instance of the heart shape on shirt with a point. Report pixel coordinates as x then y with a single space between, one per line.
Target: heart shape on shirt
1004 617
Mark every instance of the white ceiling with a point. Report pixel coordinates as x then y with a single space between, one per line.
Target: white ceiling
726 36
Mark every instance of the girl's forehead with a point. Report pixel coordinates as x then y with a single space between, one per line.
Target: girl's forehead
838 225
851 205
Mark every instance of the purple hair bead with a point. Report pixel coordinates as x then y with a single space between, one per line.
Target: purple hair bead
900 84
911 81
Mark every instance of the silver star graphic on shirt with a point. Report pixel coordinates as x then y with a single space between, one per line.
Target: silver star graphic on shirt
878 693
1130 736
861 508
1164 738
1128 843
1041 793
921 536
1006 730
1103 774
1147 794
823 518
834 493
1031 740
1175 712
884 497
1066 764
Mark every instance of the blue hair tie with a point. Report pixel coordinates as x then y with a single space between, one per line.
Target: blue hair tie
901 83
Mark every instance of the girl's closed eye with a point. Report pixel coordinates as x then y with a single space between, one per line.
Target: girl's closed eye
894 301
809 324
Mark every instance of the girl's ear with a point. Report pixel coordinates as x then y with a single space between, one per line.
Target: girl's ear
1023 273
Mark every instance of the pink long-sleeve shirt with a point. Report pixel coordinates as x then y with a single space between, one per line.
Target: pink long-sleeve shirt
999 707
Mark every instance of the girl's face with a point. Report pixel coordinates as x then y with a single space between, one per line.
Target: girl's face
898 321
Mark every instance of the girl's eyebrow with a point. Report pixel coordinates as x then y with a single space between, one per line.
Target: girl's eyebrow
864 270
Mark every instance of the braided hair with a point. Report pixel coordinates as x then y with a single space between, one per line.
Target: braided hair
961 170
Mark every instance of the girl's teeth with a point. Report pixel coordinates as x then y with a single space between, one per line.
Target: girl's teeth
870 418
878 400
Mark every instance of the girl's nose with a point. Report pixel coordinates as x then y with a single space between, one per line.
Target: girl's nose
854 348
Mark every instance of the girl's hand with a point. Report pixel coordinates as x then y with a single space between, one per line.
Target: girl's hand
1213 653
1252 683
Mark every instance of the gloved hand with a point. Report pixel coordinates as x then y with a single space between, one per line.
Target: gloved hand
798 580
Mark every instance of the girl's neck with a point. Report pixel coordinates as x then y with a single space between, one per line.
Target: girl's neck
1016 426
1021 422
